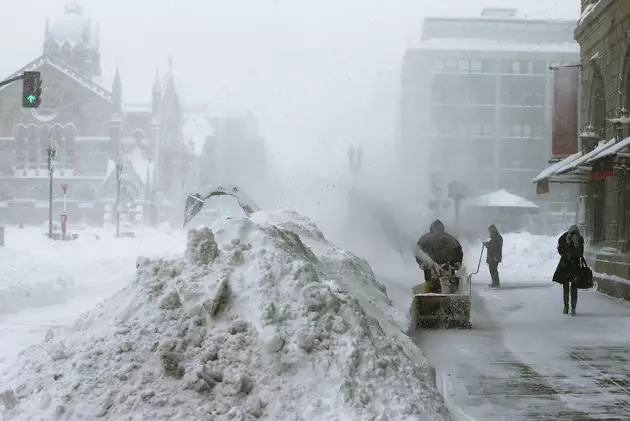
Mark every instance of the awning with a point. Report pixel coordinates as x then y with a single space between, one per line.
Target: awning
499 199
612 150
552 169
601 147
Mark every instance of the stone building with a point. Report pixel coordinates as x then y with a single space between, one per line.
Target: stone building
601 162
84 118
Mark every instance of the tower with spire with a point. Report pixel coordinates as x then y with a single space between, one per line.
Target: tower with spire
72 41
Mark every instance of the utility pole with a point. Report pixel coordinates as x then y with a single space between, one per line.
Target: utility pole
119 168
50 152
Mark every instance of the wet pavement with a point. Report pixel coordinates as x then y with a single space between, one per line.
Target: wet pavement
525 360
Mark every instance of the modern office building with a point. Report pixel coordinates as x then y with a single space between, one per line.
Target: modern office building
477 97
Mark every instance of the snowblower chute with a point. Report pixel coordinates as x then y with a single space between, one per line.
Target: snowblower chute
195 202
450 307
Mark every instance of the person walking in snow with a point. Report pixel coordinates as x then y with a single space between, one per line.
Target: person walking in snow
571 251
495 254
443 249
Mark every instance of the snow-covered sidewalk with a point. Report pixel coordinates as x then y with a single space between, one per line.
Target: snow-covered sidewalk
525 360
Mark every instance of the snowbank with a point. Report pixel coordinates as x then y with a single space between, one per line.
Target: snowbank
263 319
526 258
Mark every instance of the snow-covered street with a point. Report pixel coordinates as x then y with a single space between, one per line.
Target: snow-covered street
524 359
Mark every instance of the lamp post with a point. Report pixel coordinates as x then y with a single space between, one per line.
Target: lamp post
51 151
119 168
64 215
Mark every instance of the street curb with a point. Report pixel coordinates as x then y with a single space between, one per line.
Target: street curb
444 384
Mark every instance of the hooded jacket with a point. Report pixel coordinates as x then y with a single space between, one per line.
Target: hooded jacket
441 246
495 246
571 251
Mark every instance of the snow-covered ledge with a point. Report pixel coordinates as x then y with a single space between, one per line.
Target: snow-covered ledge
590 14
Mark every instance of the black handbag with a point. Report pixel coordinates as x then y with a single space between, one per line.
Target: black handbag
584 278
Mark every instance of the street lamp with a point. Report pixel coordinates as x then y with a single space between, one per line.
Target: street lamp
51 152
119 168
64 215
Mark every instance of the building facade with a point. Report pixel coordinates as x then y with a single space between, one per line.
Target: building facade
476 102
84 118
600 164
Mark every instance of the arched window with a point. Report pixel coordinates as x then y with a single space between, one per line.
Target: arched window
20 152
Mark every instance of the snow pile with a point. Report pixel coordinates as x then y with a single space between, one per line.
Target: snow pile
263 319
526 258
587 11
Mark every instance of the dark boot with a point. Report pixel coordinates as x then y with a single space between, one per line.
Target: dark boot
566 309
565 298
574 293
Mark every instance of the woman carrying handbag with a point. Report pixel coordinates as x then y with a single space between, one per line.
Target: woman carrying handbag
572 267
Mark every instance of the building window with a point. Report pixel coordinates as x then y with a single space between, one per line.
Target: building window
438 65
516 67
476 66
540 67
522 154
69 155
476 129
450 65
489 66
20 153
32 153
538 130
464 66
43 156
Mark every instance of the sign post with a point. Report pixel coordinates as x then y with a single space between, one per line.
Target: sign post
64 215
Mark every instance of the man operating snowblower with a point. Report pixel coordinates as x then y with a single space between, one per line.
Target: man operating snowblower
445 257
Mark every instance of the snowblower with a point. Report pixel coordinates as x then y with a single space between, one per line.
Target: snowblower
448 309
195 202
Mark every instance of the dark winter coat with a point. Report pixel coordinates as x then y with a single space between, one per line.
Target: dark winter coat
571 251
441 246
494 246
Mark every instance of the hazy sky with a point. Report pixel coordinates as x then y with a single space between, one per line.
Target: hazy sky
318 74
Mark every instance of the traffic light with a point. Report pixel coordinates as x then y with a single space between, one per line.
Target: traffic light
31 90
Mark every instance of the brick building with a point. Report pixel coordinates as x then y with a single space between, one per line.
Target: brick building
601 159
84 116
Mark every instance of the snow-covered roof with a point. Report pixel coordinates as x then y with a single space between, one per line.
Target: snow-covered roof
462 44
78 77
499 199
601 146
551 170
71 28
612 150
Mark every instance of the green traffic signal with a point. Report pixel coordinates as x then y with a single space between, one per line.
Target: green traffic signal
31 89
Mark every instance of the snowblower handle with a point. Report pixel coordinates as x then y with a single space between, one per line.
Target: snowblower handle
483 247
